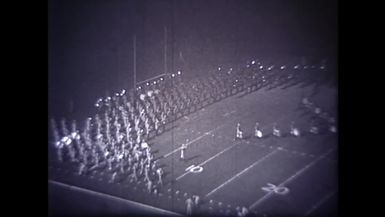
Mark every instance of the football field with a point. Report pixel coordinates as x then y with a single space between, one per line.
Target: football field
270 176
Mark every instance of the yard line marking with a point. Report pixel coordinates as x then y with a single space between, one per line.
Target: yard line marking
228 148
196 139
72 187
229 113
319 203
207 133
280 148
188 168
240 173
166 155
211 158
268 195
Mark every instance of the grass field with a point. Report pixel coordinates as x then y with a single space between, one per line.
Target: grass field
234 172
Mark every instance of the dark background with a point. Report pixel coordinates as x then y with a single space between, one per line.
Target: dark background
90 50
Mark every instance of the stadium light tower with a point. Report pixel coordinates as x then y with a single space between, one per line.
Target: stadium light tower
134 46
165 50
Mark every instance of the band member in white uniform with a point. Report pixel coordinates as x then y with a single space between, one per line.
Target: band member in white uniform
258 132
293 130
313 128
59 150
189 205
147 173
113 177
333 128
196 200
159 172
149 186
276 131
134 176
182 150
82 167
239 134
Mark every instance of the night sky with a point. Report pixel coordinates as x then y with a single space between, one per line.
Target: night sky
91 49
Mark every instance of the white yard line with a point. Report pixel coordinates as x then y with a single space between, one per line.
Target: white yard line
72 187
229 113
240 173
207 133
194 140
303 154
228 148
268 195
208 160
319 203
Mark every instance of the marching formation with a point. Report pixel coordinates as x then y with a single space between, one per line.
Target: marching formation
116 138
320 118
320 122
